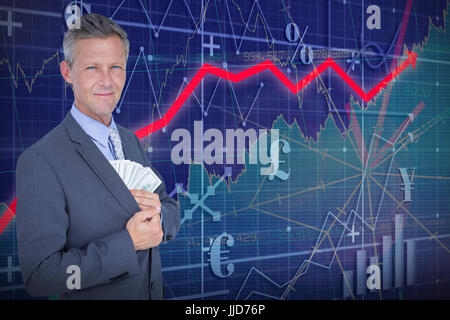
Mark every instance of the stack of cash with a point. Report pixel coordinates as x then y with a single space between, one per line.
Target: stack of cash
135 176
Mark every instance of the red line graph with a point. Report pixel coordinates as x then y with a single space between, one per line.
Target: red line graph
268 65
8 215
237 77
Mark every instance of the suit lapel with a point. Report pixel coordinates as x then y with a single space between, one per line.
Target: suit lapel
100 165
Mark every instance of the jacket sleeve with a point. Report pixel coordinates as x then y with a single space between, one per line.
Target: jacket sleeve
42 222
170 212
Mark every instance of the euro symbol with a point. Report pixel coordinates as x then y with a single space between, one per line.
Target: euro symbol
216 257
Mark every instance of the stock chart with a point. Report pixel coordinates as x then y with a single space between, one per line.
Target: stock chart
304 141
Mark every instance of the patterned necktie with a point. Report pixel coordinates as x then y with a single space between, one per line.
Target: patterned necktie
115 139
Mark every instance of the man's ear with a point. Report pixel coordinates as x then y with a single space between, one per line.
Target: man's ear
65 71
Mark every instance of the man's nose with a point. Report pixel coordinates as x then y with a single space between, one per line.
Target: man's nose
105 78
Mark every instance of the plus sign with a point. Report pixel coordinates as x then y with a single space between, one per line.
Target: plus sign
211 46
10 268
353 233
10 23
353 61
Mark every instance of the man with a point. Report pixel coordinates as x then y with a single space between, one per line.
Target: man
75 216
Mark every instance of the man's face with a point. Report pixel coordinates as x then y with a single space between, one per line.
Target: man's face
97 76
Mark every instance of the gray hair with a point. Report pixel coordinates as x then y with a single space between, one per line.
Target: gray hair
92 25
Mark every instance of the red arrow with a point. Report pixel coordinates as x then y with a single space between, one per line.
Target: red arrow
294 88
236 77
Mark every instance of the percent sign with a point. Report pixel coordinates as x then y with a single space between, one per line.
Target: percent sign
292 33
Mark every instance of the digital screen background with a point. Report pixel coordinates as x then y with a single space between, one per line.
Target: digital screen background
358 184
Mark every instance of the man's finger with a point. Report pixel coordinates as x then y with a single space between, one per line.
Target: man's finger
156 219
146 214
144 207
148 202
144 194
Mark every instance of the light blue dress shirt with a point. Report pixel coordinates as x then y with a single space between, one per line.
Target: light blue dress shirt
97 131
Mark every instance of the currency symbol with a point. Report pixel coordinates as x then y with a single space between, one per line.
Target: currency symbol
407 184
216 255
273 170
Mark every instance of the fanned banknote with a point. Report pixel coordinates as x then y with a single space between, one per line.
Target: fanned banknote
135 176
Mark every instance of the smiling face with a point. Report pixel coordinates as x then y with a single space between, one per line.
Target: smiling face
97 76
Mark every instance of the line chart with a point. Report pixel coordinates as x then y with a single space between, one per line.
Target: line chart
368 142
268 65
237 77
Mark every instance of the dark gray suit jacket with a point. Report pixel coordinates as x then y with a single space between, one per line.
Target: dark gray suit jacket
72 209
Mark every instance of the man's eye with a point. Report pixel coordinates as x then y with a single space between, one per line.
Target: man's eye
90 68
117 67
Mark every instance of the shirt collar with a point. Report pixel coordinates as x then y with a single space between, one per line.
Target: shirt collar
95 129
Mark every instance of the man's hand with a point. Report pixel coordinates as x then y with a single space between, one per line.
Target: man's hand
145 229
146 199
145 226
